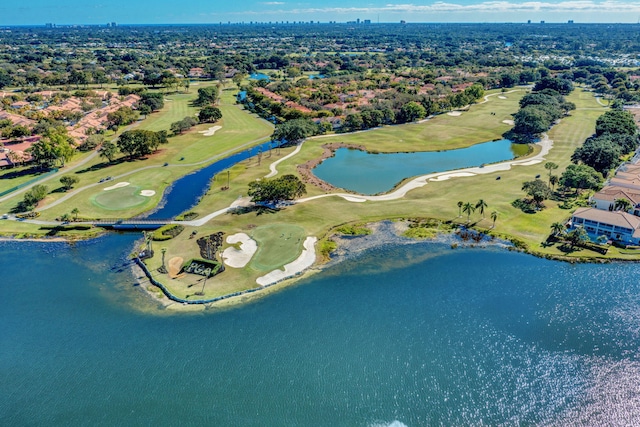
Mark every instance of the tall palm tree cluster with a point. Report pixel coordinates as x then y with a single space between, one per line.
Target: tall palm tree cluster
470 208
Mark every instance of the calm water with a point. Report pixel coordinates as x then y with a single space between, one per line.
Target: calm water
368 173
401 335
186 192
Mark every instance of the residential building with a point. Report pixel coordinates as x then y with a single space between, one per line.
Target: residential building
617 225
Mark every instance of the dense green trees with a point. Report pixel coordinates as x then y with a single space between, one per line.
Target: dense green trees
153 100
206 96
139 143
538 111
53 149
121 117
294 131
108 150
560 85
183 125
616 122
538 190
581 177
272 191
33 196
616 135
209 114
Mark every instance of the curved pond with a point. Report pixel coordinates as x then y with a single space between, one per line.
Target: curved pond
368 173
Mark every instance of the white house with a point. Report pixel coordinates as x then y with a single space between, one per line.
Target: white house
616 225
605 199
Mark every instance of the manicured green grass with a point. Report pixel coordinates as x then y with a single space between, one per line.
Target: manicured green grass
278 244
120 198
442 132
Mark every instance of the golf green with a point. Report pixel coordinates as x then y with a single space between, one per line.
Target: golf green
119 198
278 244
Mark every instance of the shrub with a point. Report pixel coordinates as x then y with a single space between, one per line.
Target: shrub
420 233
353 230
167 232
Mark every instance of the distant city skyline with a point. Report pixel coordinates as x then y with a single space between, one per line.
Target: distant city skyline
65 12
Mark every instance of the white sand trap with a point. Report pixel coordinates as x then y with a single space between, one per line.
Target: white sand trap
502 97
304 261
118 185
509 122
451 175
147 193
529 163
211 131
454 113
238 258
355 199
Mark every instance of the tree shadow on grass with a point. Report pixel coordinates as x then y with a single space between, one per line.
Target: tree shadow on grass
526 206
99 166
59 190
567 248
259 210
35 171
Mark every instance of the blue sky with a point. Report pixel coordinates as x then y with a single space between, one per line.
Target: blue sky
213 11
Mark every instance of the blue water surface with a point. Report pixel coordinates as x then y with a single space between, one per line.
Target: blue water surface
368 173
403 335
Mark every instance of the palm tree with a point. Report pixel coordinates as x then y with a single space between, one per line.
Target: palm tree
578 235
553 180
468 208
460 203
75 212
557 228
481 205
622 204
550 166
494 217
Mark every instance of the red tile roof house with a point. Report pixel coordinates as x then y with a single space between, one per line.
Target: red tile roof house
19 149
19 104
16 119
605 199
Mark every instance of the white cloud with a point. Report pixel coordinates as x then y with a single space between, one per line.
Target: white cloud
610 6
273 3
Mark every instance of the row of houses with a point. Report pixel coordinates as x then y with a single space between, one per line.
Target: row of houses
608 215
14 151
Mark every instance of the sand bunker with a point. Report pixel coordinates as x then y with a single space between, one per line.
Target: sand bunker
451 175
502 97
118 185
509 122
355 199
147 193
238 258
175 265
454 113
304 261
211 131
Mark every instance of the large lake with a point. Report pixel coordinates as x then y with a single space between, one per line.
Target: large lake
409 335
368 173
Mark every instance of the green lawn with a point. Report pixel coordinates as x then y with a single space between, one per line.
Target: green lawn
443 131
278 244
